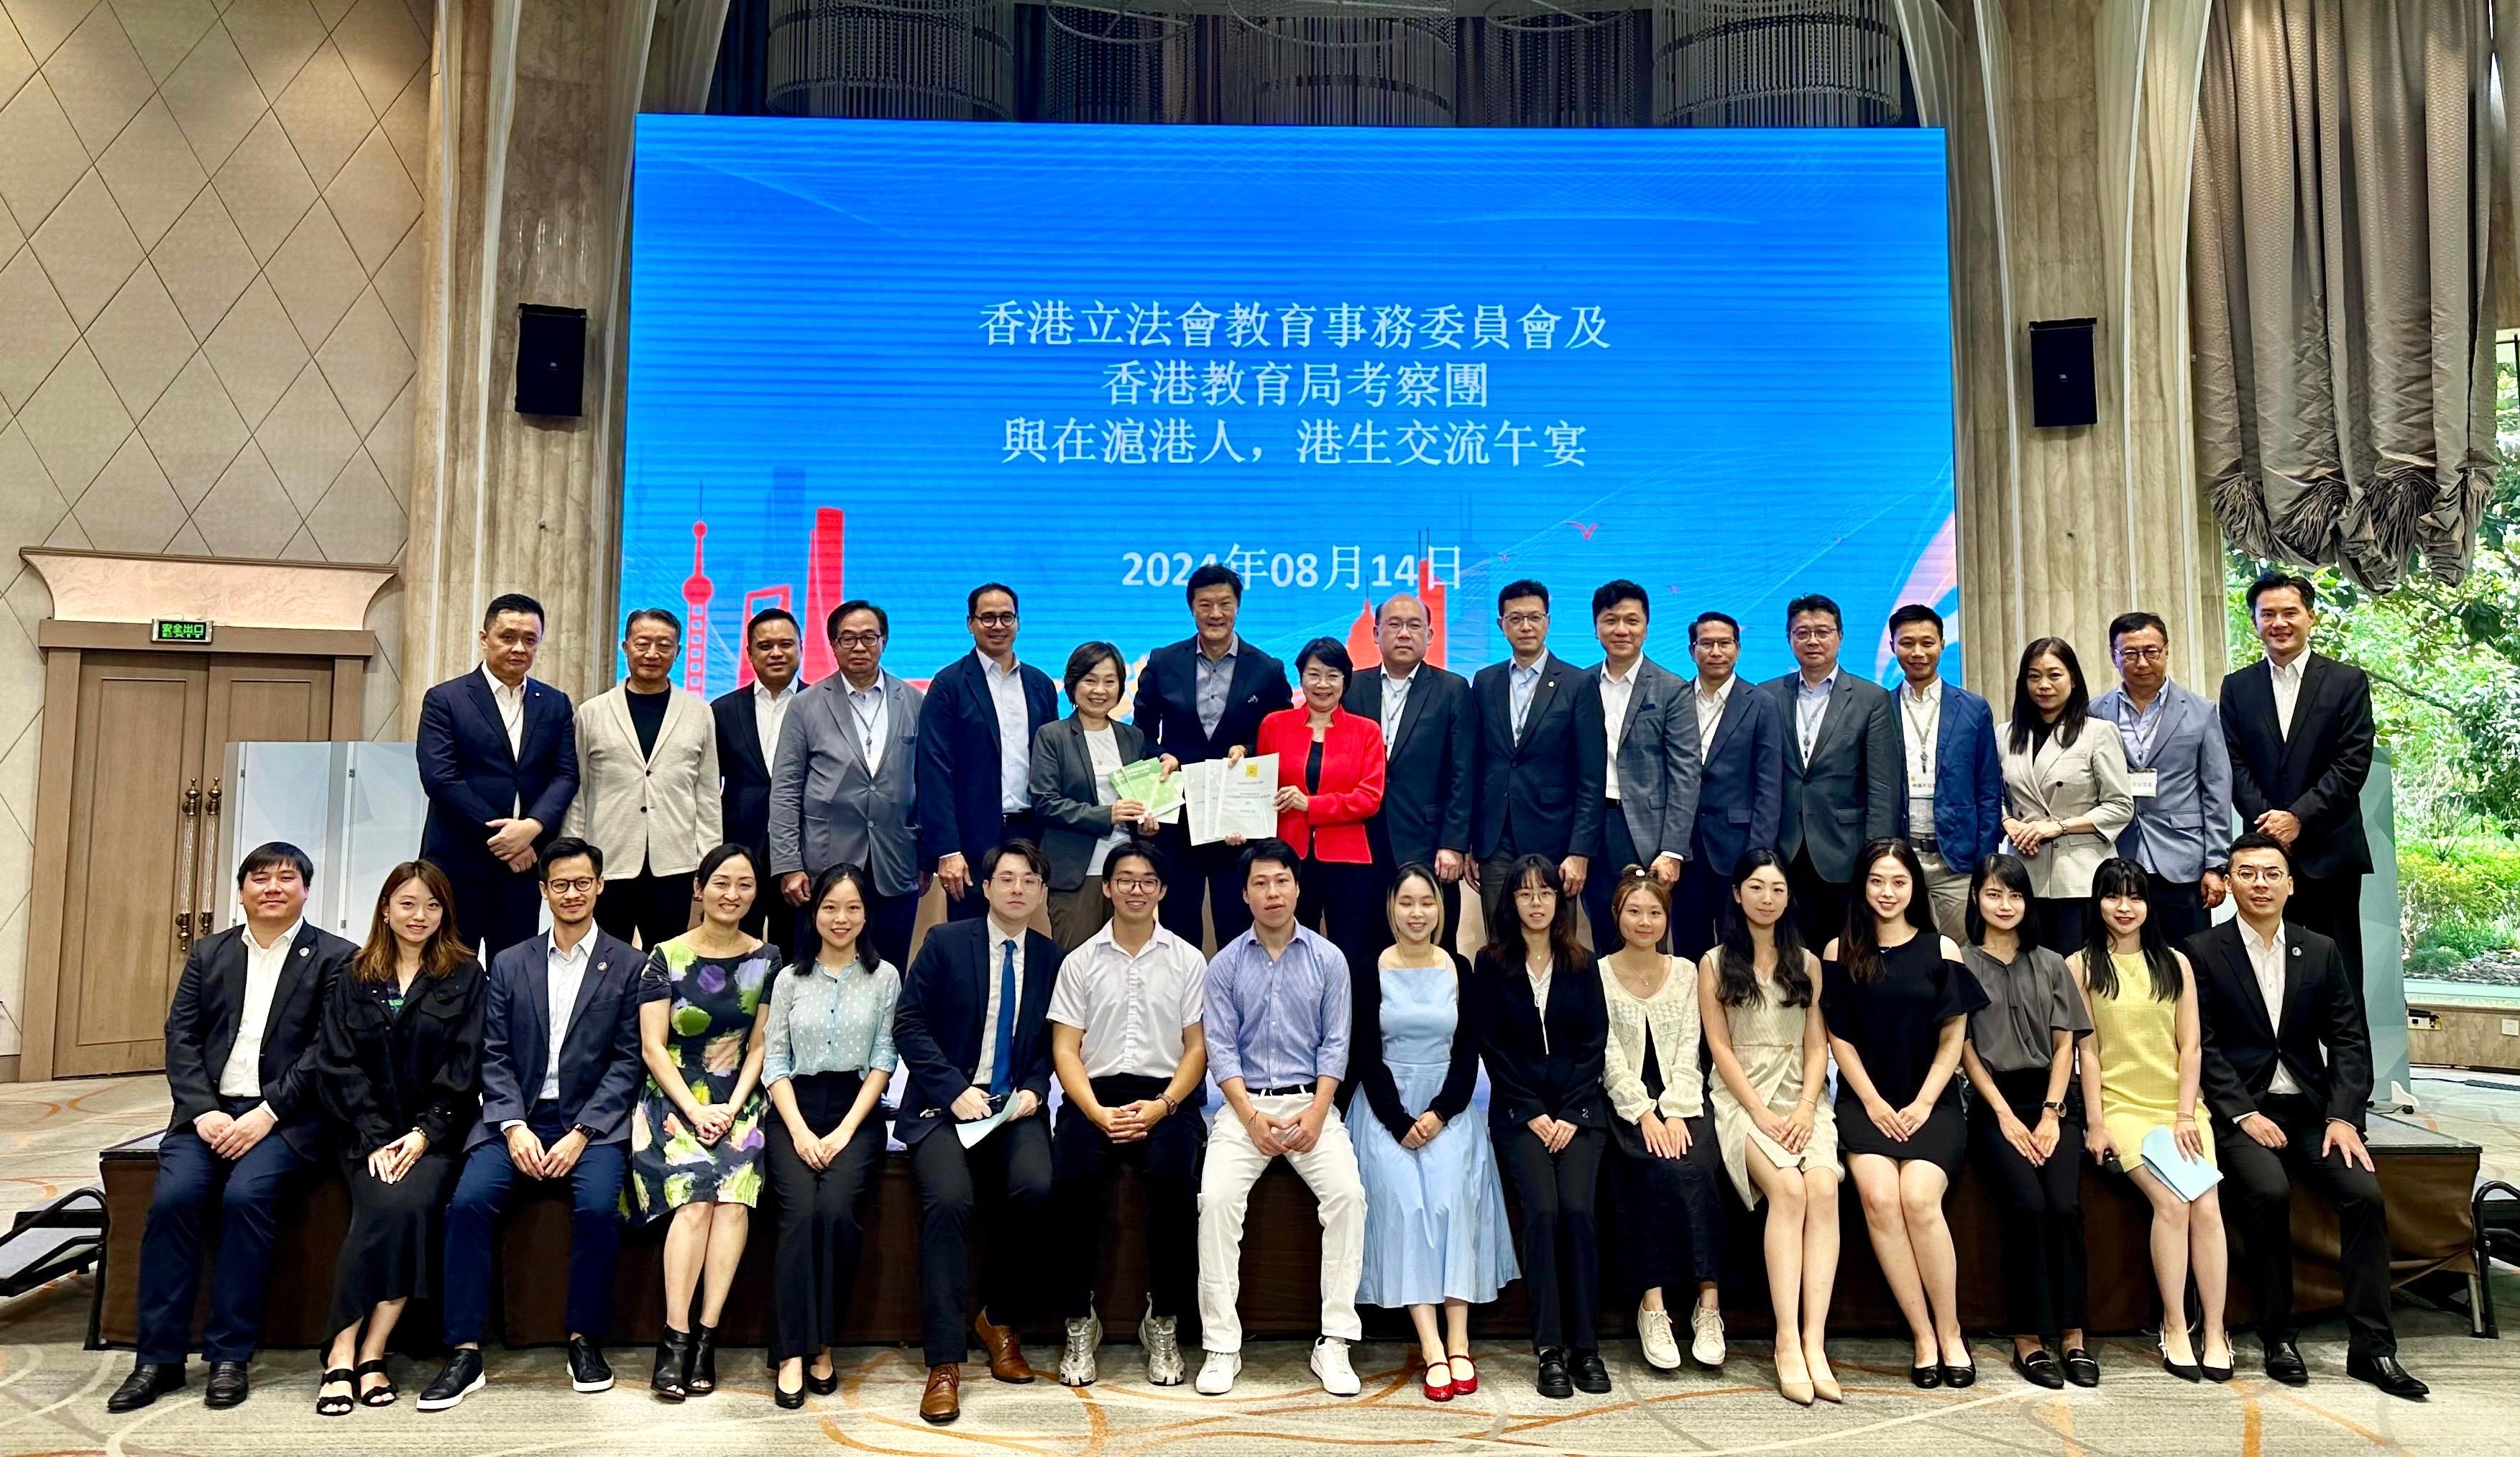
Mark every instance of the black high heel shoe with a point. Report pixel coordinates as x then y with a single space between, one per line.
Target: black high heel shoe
2187 1373
700 1378
1926 1377
671 1382
786 1399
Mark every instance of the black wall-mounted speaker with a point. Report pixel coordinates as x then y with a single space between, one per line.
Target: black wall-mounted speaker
2061 388
551 360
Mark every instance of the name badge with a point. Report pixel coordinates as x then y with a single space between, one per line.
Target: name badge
2147 783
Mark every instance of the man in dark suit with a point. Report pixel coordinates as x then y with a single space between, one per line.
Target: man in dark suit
972 1029
1541 755
2298 730
560 1066
241 1062
975 749
1197 700
1841 766
1951 808
1650 749
748 720
2287 1070
1428 746
1740 781
498 757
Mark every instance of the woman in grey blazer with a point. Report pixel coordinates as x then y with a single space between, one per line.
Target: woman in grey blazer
1082 819
2066 792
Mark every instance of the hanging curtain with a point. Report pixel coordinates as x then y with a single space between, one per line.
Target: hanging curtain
2344 372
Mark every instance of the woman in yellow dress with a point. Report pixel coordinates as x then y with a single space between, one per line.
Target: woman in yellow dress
2140 1068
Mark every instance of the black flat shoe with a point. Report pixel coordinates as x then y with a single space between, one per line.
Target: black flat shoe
588 1370
148 1381
822 1386
2285 1365
336 1407
673 1360
461 1377
380 1395
2385 1373
787 1400
2189 1373
2081 1369
228 1386
700 1374
2040 1369
1589 1374
1956 1377
1554 1382
1926 1377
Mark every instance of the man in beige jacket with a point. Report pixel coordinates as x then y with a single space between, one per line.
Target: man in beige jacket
647 790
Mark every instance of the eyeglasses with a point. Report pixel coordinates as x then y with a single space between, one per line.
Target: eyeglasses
2142 655
1137 882
574 886
859 639
1812 634
1526 620
1324 677
994 619
1534 894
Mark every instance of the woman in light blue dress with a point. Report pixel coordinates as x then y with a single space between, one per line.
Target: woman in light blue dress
1435 1230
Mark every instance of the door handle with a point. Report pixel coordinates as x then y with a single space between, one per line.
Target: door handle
202 917
187 842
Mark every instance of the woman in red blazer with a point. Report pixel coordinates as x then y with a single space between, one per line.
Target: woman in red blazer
1329 783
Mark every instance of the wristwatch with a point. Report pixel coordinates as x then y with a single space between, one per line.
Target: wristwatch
2059 1109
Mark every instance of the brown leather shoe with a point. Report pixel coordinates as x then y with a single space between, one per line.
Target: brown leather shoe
1004 1348
943 1400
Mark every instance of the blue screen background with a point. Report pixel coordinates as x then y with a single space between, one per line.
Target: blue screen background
1767 411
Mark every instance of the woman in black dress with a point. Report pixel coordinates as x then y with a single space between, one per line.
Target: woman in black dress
1897 1001
401 1064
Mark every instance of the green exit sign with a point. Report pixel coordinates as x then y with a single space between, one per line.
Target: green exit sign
179 630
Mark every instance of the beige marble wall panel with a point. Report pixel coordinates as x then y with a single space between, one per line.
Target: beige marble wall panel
100 587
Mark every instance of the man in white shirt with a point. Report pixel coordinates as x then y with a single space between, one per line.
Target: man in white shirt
241 1063
1649 757
975 749
749 719
559 1065
1127 1043
1953 809
1741 780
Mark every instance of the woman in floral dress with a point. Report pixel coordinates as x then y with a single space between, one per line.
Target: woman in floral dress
695 1136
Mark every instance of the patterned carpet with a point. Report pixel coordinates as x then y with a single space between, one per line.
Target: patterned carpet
52 1392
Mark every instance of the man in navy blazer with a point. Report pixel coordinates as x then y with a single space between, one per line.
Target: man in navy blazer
748 720
2182 773
1542 752
240 1056
498 757
559 1065
1841 766
972 1031
975 749
1197 700
1429 746
1740 788
1953 807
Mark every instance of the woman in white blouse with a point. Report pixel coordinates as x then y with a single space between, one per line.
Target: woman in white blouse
2066 791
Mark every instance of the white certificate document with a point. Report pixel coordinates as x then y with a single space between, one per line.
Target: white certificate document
1231 799
980 1128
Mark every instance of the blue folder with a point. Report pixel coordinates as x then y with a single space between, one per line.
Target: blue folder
2188 1178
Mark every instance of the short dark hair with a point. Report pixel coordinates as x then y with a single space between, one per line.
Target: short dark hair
769 615
2276 581
1521 587
971 603
568 847
1086 658
651 614
1270 851
1916 612
1617 590
2126 623
2260 840
512 602
1211 574
1326 650
272 854
1134 851
1703 619
710 862
2012 872
1023 849
1813 602
831 623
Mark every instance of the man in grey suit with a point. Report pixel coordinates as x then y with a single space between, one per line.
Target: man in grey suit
1842 778
2183 778
1649 732
845 787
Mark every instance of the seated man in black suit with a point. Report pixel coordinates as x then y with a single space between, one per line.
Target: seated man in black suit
241 1049
972 1030
748 722
559 1065
2287 1071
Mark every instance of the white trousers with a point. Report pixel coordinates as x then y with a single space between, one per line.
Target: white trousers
1225 1183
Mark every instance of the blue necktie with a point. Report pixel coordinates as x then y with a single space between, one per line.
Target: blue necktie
1003 1081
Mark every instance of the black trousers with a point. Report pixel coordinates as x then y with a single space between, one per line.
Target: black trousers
1343 903
1167 1159
2259 1182
654 907
822 1227
1562 1233
1820 901
1202 876
496 908
243 1197
973 904
772 918
1601 879
2044 1274
2178 907
1697 907
2063 922
1005 1179
2332 906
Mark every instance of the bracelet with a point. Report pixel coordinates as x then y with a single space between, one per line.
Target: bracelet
2184 1118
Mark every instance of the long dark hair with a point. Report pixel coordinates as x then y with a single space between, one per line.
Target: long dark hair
1505 932
441 953
824 885
1859 946
2013 872
2120 876
2026 722
1736 962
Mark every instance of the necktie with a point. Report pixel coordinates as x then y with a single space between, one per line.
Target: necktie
1003 1081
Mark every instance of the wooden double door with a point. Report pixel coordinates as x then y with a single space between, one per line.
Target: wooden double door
142 878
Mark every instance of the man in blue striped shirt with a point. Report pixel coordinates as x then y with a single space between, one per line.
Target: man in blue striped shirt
1277 1020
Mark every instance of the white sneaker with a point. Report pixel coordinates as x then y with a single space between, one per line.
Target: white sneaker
1653 1333
1329 1363
1706 1337
1076 1367
1216 1375
1159 1335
